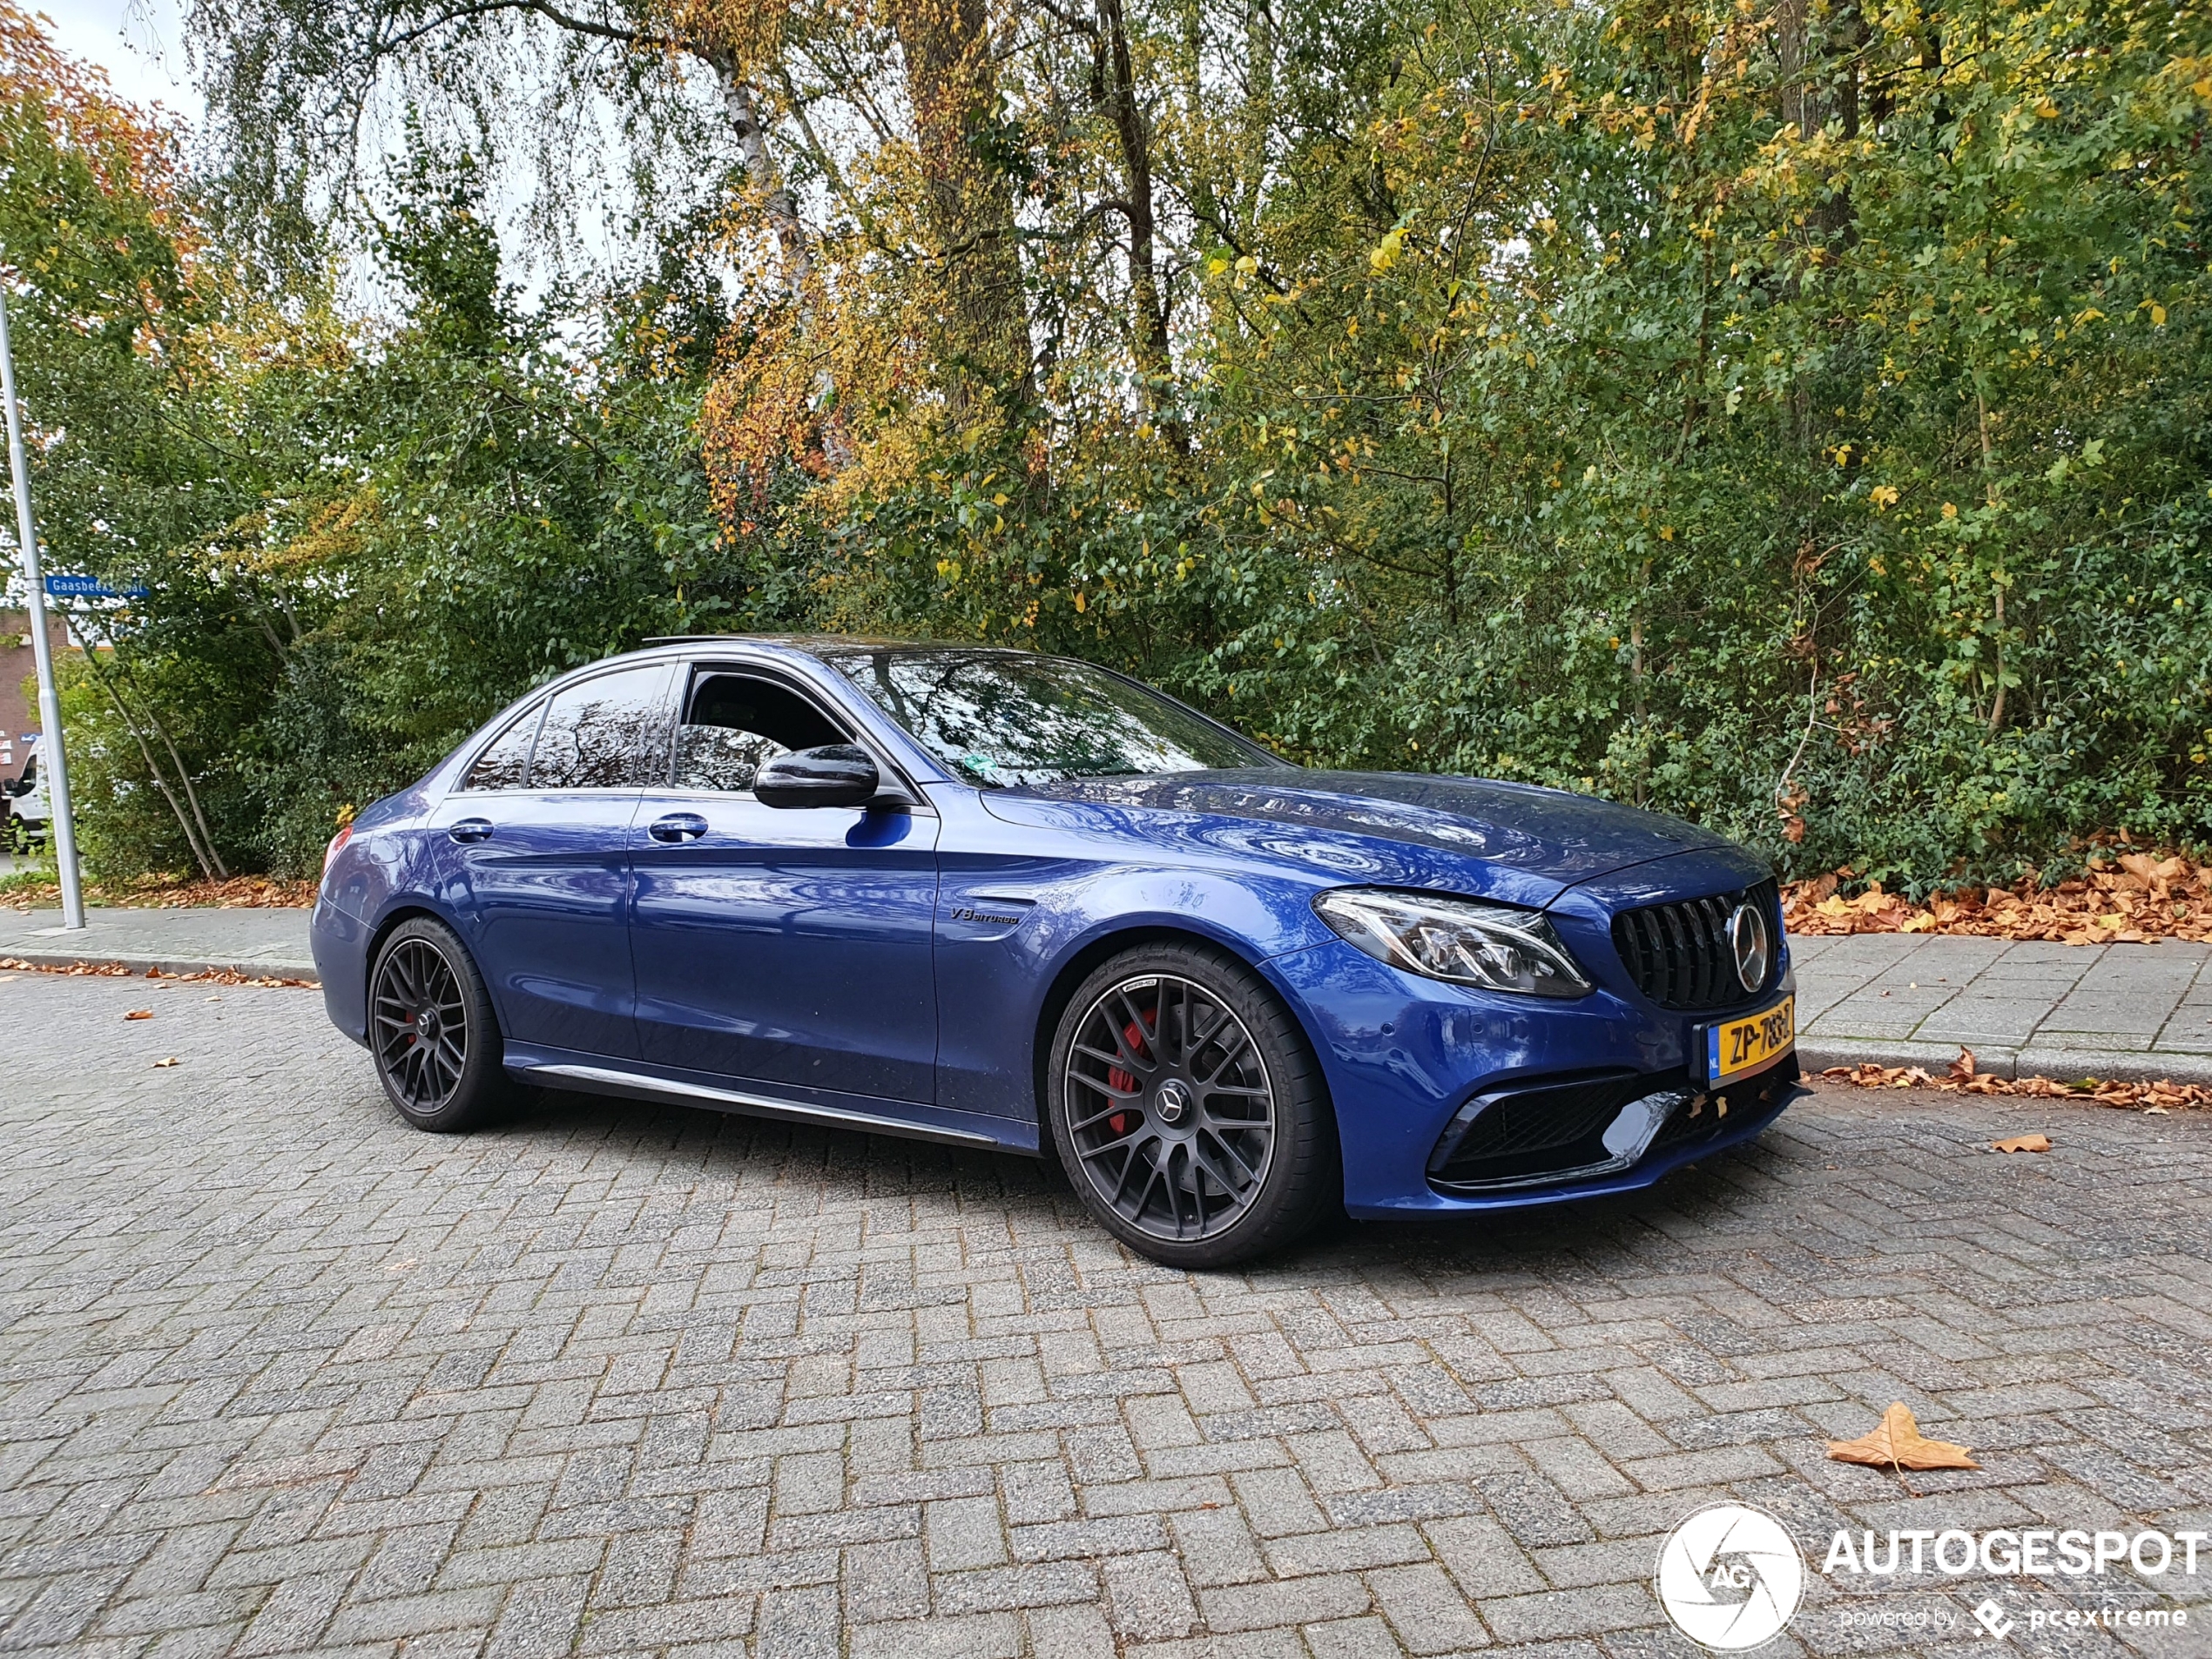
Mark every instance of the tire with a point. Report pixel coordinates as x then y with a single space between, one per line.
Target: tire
422 989
1197 1153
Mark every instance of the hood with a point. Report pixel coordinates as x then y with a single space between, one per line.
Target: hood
1546 834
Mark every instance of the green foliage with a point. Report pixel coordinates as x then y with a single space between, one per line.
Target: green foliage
357 545
1792 417
1806 435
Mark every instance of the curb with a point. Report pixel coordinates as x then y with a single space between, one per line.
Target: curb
277 969
2061 1065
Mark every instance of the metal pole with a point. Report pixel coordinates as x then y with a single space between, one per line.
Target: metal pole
51 757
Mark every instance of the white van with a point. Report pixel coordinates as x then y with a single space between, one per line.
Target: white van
29 813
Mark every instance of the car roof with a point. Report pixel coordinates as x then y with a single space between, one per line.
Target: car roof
817 643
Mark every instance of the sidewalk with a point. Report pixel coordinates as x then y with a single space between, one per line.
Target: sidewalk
2126 1012
264 944
2123 1013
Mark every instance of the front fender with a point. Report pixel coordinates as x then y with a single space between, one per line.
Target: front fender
1018 911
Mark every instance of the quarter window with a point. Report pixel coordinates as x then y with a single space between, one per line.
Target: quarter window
610 731
506 761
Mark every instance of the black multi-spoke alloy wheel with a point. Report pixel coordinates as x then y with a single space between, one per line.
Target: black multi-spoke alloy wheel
1189 1112
432 1030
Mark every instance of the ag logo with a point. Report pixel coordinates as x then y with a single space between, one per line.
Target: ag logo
1730 1577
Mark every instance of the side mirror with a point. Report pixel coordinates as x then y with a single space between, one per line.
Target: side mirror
837 774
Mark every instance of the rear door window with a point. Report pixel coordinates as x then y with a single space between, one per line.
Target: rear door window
610 731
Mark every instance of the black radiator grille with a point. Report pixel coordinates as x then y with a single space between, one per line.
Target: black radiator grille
1678 953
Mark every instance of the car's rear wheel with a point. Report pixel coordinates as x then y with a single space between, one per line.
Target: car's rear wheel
433 1031
1187 1111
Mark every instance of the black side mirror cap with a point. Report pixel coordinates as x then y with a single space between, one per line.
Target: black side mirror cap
837 774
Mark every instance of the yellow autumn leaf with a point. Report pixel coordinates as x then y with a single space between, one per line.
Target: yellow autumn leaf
2023 1143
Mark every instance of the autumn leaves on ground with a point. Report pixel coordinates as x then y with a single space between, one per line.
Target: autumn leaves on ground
1964 1077
2128 898
36 889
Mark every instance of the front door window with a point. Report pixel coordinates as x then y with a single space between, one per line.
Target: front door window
736 723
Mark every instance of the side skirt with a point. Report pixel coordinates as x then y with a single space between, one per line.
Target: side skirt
601 1078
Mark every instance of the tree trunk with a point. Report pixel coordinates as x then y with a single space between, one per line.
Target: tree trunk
211 866
953 87
1134 134
767 179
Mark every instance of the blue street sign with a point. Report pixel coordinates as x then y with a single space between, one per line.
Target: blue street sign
90 587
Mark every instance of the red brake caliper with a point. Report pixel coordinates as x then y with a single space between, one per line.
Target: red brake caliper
1119 1077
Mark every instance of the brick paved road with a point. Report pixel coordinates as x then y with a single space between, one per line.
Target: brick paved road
277 1375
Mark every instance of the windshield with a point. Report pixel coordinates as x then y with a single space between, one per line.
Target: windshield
1005 719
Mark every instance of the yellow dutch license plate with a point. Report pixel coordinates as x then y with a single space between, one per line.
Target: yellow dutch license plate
1735 1047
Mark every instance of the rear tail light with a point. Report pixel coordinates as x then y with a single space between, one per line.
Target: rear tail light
337 842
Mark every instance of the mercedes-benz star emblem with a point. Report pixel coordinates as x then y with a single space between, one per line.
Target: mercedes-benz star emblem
1747 937
1172 1102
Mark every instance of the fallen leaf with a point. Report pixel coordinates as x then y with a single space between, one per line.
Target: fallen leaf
1897 1443
171 1061
139 1013
1962 1068
1918 923
2023 1143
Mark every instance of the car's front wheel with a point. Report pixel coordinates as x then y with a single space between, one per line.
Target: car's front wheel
432 1029
1188 1109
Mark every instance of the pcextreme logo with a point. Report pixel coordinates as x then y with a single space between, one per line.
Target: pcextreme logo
1730 1577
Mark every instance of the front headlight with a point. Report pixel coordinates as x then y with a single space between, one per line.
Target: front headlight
1468 941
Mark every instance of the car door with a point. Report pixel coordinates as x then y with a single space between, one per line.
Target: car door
542 848
792 945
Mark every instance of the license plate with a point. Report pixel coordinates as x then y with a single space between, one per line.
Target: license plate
1735 1047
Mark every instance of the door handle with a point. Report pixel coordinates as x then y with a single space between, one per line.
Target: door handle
676 827
469 829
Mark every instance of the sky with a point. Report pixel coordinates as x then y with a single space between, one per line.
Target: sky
139 43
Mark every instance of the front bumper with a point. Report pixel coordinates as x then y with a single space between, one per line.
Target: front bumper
1405 1056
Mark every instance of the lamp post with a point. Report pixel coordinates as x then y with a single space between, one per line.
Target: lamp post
50 756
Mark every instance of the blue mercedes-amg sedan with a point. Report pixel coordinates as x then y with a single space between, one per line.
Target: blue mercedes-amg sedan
1003 900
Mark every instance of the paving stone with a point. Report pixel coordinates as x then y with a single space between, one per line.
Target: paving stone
279 1376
